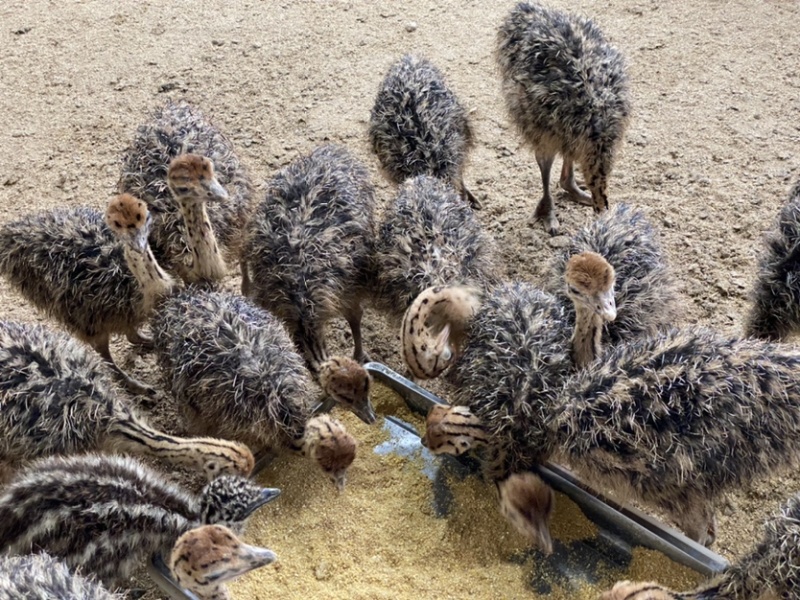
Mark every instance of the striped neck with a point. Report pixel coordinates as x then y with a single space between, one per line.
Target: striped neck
587 336
428 354
212 456
207 263
154 281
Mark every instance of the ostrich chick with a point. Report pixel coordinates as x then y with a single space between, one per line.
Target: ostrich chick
506 371
418 127
69 264
770 571
527 502
644 420
204 559
326 441
235 373
42 577
566 91
590 285
129 221
434 329
429 237
644 289
192 181
311 246
175 129
106 515
775 311
57 399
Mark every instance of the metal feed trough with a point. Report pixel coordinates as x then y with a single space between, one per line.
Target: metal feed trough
620 528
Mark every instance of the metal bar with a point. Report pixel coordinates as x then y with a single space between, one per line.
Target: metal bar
633 525
417 398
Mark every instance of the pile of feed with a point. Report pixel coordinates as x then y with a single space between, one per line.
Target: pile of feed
381 538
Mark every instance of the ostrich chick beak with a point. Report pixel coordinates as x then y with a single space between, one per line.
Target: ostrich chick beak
340 479
608 306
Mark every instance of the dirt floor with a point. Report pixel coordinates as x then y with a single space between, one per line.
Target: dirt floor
709 153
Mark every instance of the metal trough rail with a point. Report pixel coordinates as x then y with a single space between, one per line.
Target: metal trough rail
620 524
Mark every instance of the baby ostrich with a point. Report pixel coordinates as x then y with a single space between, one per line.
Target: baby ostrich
770 570
106 515
641 420
203 560
41 577
645 419
192 181
310 249
68 264
429 237
775 312
435 327
235 373
590 285
418 127
567 93
525 500
644 289
506 373
57 399
176 129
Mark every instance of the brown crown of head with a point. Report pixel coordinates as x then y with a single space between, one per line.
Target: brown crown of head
126 212
190 167
336 452
590 272
348 372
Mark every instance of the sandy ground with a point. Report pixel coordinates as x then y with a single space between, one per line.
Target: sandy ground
709 153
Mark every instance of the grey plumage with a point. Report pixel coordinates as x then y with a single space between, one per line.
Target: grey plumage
680 418
235 373
428 237
773 565
310 247
515 358
418 127
646 298
645 420
42 577
770 570
566 91
180 128
775 310
106 515
68 264
233 369
57 398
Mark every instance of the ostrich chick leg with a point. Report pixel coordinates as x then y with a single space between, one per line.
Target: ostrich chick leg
568 183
